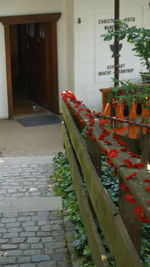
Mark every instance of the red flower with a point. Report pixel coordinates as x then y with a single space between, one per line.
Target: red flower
124 187
138 210
148 202
102 122
115 170
109 162
92 138
105 131
107 142
101 137
133 155
89 131
124 149
82 122
147 180
144 219
104 151
120 142
88 110
113 153
80 109
130 198
147 188
91 121
128 163
139 165
131 176
77 105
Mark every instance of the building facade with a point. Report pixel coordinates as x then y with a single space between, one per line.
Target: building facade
84 60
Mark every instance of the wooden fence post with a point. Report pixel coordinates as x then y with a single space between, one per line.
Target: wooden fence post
132 223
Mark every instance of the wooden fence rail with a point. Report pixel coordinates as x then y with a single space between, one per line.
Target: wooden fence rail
120 227
119 110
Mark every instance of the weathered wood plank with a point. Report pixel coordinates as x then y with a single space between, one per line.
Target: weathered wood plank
132 223
110 221
137 189
137 186
97 249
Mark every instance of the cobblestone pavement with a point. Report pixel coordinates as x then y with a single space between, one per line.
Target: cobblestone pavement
30 238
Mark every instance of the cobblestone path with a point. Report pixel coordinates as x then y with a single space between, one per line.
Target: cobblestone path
31 224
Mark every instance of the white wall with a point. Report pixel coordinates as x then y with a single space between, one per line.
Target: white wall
87 38
23 7
3 83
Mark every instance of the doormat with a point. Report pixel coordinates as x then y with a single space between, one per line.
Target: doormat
38 120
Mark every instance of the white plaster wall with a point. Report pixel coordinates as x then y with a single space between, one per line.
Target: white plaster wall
70 43
23 7
86 86
3 83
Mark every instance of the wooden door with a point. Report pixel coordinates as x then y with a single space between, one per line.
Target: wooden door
28 19
42 65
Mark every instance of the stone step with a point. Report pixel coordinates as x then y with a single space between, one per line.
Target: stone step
27 160
30 204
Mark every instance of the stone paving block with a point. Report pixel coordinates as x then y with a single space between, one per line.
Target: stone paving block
55 245
15 252
8 260
26 224
10 235
31 228
24 246
25 234
36 245
43 213
47 239
46 228
15 229
3 230
23 259
27 265
8 246
60 257
38 258
31 252
24 219
33 240
8 220
2 241
17 240
43 222
47 264
16 224
43 234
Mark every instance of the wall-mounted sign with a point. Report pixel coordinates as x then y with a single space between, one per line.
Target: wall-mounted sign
129 67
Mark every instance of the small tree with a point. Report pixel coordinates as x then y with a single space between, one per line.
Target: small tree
139 37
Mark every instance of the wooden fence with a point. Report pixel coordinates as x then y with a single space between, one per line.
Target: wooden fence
120 227
119 110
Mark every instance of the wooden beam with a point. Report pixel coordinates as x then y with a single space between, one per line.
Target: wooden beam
116 41
107 214
36 18
95 243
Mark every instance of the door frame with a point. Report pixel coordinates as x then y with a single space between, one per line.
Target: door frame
7 21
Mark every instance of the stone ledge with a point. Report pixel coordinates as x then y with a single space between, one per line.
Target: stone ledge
30 204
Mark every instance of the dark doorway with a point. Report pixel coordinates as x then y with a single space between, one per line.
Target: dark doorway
31 57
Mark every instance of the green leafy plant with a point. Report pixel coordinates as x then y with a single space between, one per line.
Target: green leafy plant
129 93
65 189
139 37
